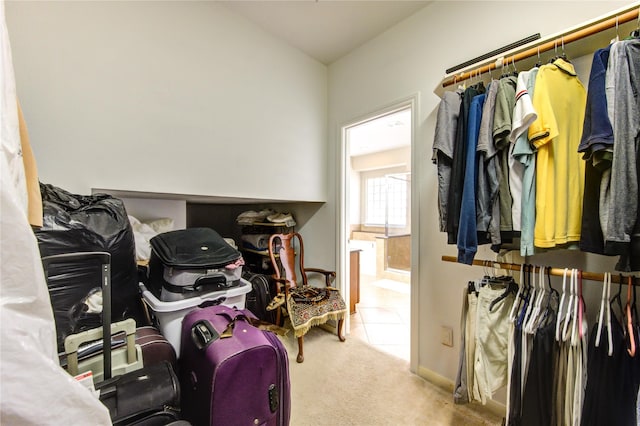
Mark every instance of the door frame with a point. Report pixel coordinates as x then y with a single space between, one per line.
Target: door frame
411 102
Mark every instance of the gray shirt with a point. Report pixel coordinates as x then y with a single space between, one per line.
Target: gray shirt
624 113
443 143
487 207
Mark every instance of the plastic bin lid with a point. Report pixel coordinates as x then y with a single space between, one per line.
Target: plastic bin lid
160 306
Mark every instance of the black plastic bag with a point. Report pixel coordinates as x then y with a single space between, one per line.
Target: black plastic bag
79 223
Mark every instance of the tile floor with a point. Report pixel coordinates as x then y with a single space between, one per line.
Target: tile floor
382 317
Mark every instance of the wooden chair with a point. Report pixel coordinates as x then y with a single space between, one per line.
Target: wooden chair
306 305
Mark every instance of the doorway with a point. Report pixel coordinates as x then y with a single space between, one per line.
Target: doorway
377 188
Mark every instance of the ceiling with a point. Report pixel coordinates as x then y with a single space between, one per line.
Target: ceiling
381 134
325 29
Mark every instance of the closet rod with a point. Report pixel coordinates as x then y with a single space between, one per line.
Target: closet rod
592 276
553 44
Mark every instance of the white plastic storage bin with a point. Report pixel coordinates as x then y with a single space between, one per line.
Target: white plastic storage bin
169 314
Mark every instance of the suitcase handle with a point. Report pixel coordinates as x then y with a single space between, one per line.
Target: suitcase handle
203 334
219 280
105 258
72 343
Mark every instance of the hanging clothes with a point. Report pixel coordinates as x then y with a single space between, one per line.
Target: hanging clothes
505 101
484 330
492 336
461 389
612 388
523 115
527 173
458 165
443 146
559 99
537 399
467 232
487 206
597 146
621 226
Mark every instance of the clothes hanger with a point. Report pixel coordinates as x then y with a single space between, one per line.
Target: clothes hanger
539 63
564 54
532 300
605 286
617 298
636 33
516 302
559 318
505 69
510 286
543 295
617 37
634 307
485 275
462 86
576 325
533 321
582 319
479 83
569 318
552 295
513 64
608 313
526 296
555 51
631 340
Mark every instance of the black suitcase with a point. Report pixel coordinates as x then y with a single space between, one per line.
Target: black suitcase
192 262
260 296
149 396
146 397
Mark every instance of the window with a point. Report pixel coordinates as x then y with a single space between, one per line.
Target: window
386 200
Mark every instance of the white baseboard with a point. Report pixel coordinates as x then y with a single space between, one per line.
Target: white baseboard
495 407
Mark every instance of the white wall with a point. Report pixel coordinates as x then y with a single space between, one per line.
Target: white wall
398 157
146 210
171 97
410 59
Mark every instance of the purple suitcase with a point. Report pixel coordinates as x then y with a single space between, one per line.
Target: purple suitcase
231 372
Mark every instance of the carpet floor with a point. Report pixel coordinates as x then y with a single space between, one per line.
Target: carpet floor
352 383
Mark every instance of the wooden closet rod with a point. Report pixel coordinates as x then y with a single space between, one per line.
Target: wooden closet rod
553 44
592 276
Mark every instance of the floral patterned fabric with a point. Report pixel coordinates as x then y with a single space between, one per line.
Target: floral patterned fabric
309 306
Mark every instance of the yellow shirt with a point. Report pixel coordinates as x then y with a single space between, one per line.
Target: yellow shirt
559 98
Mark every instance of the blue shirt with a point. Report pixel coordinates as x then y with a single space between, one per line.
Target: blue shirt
467 232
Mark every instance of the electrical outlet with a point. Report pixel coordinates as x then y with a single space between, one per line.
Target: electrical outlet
446 336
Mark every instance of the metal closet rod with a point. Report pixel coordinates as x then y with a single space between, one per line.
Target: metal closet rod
592 276
553 44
